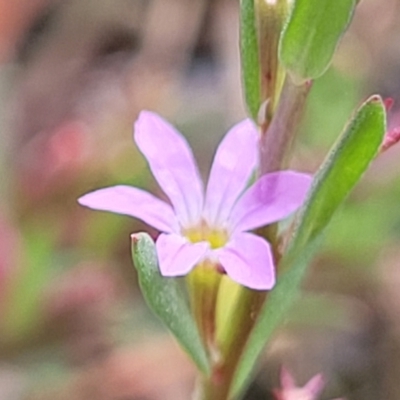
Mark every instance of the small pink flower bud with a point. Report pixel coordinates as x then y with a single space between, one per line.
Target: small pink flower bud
391 138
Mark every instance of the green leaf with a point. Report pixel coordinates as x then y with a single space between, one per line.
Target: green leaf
250 57
342 169
164 297
311 35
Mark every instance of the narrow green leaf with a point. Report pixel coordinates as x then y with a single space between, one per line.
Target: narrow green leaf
164 297
342 169
311 35
250 57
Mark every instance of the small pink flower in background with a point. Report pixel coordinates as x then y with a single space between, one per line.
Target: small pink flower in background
210 225
391 138
392 135
289 391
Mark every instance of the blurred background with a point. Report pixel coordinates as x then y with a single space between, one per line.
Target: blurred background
73 77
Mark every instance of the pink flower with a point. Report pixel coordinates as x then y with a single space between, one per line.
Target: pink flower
289 391
210 226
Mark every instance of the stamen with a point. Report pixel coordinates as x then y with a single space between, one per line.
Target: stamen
215 237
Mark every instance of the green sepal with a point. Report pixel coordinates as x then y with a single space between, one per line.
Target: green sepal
166 299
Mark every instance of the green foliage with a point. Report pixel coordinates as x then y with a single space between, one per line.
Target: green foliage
365 215
311 35
332 99
24 309
166 300
342 169
250 57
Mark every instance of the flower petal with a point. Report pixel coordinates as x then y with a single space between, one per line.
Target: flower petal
172 163
315 386
177 256
273 197
134 202
247 259
234 161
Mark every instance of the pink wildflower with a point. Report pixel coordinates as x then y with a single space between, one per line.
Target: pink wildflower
289 391
212 227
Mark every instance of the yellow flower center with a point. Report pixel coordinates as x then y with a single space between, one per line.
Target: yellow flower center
203 233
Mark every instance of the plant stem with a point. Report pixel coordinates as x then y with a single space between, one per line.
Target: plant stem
276 139
249 303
